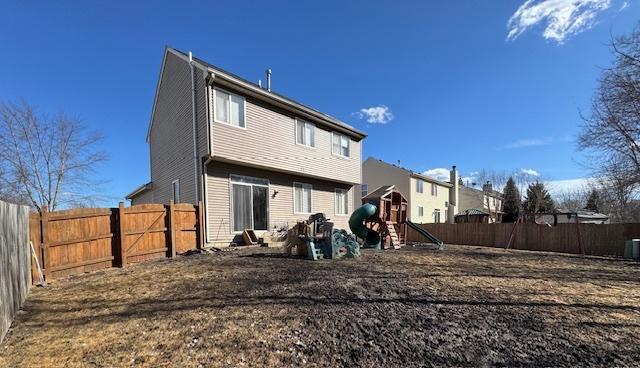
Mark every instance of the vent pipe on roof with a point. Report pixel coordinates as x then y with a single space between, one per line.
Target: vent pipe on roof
268 72
260 83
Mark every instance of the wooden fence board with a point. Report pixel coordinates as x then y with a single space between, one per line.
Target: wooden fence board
87 239
595 239
15 261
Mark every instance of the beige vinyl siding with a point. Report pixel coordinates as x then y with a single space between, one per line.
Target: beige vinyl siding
171 136
376 174
269 141
280 206
428 201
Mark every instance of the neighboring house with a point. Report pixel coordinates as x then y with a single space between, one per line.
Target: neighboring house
430 200
256 159
566 216
478 215
486 199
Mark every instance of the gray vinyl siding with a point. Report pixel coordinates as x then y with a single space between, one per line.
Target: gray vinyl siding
145 197
171 136
280 204
269 141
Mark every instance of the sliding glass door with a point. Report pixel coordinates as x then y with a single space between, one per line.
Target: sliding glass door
249 203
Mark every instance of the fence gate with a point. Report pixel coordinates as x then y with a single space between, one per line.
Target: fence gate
143 232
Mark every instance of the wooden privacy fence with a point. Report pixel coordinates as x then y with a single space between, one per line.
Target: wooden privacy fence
595 239
87 239
15 258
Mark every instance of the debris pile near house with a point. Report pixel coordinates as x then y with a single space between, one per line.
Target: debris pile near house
319 239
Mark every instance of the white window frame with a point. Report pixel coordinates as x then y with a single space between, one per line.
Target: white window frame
175 194
213 108
364 190
335 200
437 211
306 124
232 183
420 211
339 154
419 186
310 186
434 189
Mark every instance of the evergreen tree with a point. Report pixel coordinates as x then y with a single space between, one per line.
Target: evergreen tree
593 202
538 199
511 202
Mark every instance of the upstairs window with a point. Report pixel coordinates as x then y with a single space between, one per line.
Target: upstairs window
364 190
305 133
419 186
341 145
229 108
434 189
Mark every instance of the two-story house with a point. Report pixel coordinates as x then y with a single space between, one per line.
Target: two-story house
256 159
430 200
486 200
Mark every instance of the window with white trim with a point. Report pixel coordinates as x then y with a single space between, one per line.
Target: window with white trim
305 133
342 202
420 211
175 191
419 186
249 203
229 108
302 197
364 190
436 216
434 189
341 145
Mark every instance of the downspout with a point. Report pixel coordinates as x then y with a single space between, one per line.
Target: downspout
208 84
206 208
195 141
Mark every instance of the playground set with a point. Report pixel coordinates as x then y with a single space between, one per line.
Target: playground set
381 223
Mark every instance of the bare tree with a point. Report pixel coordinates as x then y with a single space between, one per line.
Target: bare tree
46 161
573 199
611 134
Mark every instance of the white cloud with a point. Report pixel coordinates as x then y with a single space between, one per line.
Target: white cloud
557 187
439 173
624 5
376 114
530 142
536 142
562 18
530 172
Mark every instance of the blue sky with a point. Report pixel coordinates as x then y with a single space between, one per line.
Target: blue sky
478 84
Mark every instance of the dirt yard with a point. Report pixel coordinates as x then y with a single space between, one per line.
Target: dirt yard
465 306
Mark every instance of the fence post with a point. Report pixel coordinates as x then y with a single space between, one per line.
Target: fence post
200 225
172 229
580 247
121 251
46 262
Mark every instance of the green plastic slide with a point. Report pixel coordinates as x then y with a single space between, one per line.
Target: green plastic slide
426 234
356 224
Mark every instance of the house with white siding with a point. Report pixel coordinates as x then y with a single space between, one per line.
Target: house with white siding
430 200
255 159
